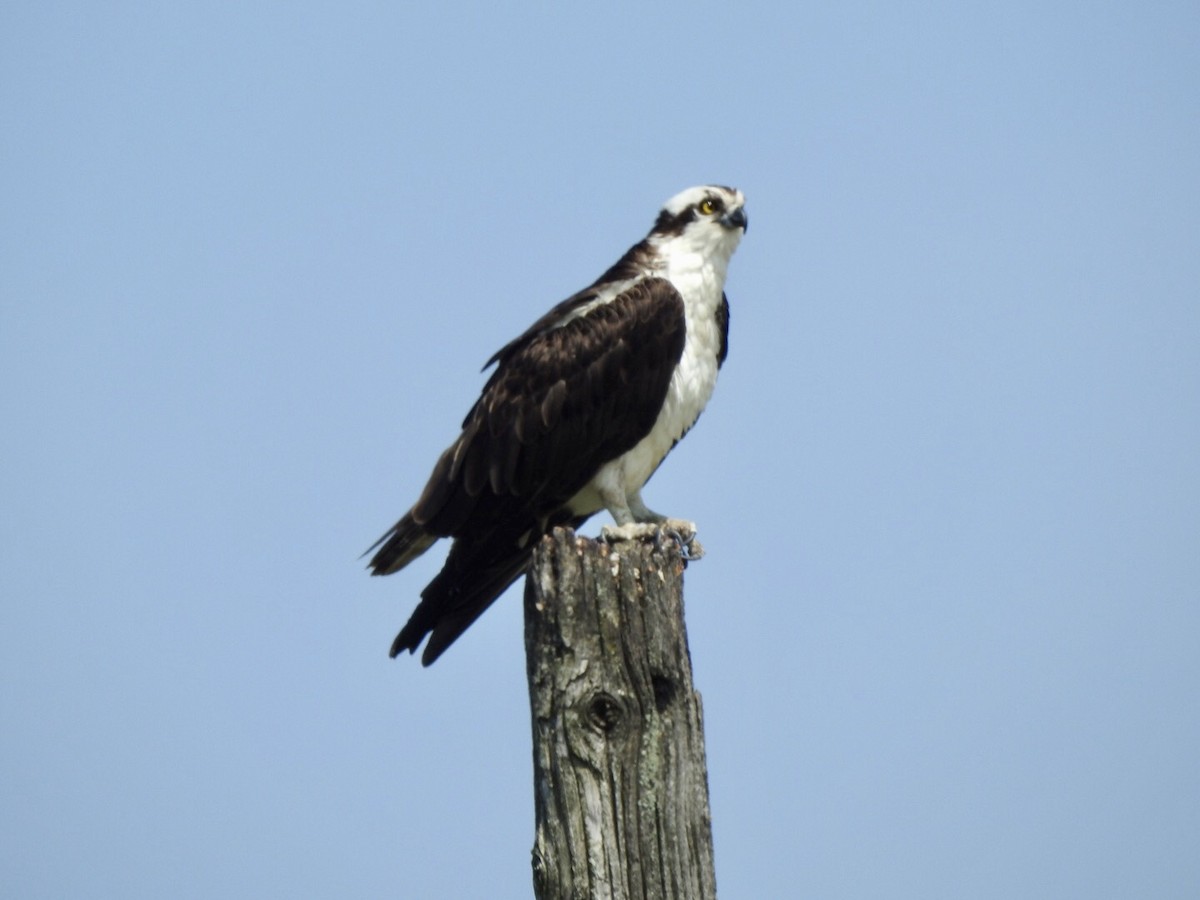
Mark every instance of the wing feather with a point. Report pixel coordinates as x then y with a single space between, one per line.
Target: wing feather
563 403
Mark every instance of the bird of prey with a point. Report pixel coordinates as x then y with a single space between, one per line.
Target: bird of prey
579 412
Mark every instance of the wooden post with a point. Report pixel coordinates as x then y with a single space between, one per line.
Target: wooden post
621 788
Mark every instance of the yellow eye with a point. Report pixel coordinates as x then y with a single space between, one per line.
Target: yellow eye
707 206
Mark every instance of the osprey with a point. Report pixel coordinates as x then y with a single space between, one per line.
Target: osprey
579 412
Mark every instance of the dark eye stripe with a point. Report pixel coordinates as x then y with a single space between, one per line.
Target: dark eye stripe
668 224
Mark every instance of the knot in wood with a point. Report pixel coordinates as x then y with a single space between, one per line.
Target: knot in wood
604 713
541 877
664 690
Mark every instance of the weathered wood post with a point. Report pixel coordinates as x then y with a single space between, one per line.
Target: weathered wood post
621 788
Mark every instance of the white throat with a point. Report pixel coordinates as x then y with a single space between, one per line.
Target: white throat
695 264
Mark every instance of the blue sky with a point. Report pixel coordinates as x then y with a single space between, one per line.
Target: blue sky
251 259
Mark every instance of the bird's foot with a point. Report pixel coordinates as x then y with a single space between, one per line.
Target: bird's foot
631 531
684 533
681 531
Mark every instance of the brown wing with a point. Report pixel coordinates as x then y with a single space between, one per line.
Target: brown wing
563 401
559 406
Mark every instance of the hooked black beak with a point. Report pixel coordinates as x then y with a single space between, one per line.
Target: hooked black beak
737 219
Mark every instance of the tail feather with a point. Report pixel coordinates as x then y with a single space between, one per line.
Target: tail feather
481 565
404 542
453 601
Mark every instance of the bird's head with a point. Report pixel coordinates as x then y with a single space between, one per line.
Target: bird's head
709 219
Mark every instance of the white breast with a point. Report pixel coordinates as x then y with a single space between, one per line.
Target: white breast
691 385
700 279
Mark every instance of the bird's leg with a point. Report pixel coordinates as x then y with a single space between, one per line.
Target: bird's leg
644 522
641 512
612 495
681 529
630 525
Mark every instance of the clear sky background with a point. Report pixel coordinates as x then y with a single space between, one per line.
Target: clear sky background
251 259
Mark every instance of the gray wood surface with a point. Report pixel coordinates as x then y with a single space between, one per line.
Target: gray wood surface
621 788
